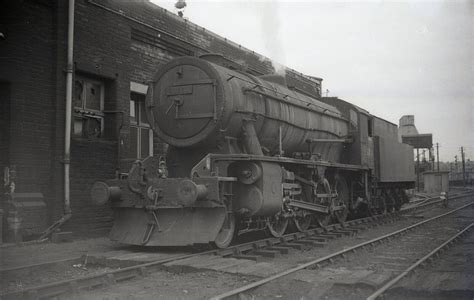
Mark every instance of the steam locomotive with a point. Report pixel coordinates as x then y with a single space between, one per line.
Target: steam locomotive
251 153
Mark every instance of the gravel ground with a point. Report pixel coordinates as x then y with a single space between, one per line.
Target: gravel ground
59 272
357 278
11 257
167 285
449 277
81 258
199 284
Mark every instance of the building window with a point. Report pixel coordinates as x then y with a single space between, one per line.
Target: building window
370 127
141 135
88 108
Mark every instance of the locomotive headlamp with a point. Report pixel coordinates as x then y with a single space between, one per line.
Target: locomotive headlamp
101 192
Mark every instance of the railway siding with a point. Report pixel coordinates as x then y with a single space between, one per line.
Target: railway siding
372 244
250 261
451 276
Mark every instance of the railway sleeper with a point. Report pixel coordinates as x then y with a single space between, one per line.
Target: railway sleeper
73 287
318 239
294 246
358 228
31 294
267 253
255 258
328 235
343 232
354 229
282 250
335 233
311 242
53 294
226 252
126 276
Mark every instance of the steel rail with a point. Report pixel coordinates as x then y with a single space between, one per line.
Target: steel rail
331 256
72 285
392 282
41 265
273 241
428 202
59 287
255 245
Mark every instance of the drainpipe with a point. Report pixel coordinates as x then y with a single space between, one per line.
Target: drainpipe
68 116
67 135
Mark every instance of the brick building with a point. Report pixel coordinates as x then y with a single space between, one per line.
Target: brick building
118 45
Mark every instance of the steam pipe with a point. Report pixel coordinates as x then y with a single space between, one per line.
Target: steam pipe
250 139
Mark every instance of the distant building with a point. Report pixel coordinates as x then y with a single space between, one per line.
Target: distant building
407 126
408 134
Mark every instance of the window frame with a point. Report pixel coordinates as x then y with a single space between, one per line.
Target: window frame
140 89
85 113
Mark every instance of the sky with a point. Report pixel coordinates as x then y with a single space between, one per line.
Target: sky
391 58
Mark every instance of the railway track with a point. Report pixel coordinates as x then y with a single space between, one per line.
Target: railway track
332 258
425 259
269 247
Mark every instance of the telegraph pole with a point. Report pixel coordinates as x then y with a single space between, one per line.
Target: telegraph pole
432 158
463 167
418 169
437 155
456 163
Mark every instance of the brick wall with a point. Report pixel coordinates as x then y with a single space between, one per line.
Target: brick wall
90 161
167 26
4 125
27 66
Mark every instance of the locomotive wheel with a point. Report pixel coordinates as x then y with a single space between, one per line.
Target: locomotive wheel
398 199
276 225
382 209
226 234
303 222
390 201
342 190
303 219
323 219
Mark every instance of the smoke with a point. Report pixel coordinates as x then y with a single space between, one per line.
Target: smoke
270 23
